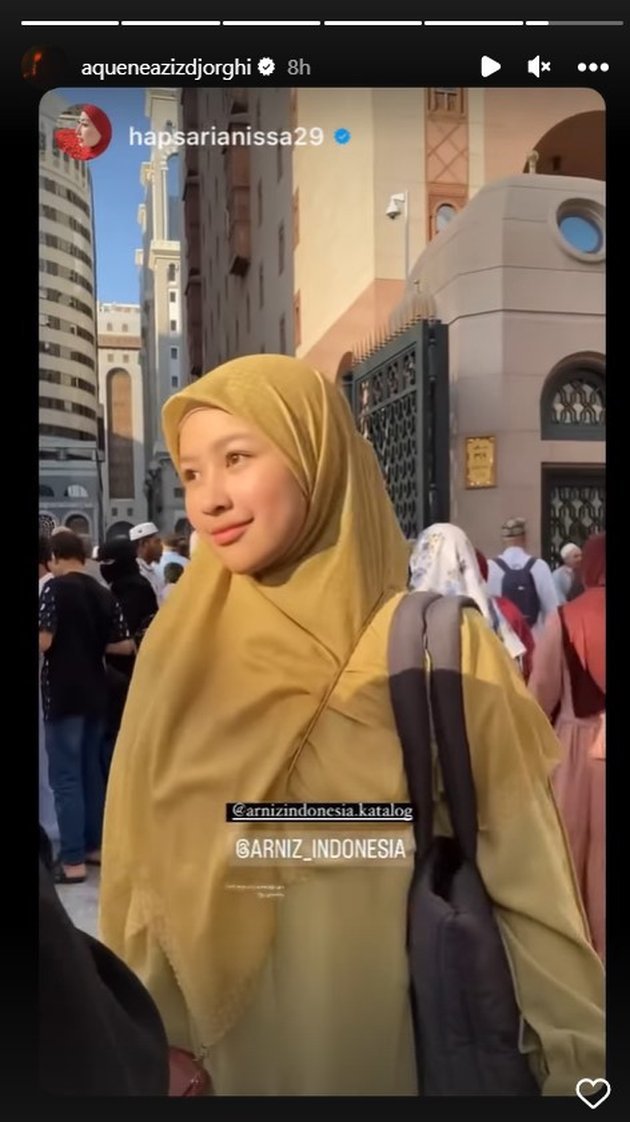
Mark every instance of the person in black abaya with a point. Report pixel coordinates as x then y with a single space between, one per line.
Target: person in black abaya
99 1030
119 568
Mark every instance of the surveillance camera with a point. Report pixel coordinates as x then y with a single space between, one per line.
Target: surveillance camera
393 209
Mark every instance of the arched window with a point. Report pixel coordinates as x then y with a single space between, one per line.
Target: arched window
120 435
46 492
573 403
76 491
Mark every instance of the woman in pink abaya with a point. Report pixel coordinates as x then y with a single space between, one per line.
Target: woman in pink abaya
569 683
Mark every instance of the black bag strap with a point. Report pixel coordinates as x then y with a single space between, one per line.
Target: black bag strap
449 717
494 615
505 568
425 622
409 696
530 565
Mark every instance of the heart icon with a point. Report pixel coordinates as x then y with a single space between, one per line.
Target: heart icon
587 1086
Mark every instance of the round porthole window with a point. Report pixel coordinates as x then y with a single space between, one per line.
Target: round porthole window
443 215
581 233
580 223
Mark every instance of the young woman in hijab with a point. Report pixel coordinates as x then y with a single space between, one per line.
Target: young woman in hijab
443 560
569 682
513 616
265 680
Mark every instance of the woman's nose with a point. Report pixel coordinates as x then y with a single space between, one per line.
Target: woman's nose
214 504
215 498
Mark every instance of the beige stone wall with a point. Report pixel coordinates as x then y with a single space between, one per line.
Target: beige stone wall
349 262
517 303
334 258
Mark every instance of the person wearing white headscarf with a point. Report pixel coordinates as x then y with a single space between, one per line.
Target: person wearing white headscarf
565 574
443 560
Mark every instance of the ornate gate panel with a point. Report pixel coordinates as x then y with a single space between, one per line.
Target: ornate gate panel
399 397
573 507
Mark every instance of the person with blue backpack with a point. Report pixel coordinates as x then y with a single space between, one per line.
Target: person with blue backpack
521 578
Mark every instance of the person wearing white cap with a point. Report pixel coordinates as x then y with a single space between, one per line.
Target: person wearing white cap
149 550
566 573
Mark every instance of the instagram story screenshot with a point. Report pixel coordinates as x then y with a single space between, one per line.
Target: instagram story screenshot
314 381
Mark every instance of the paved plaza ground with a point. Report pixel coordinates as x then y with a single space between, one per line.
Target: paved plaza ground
81 901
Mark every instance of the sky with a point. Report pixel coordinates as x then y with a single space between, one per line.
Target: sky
117 191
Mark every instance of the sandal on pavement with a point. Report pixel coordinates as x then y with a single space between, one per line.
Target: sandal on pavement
61 877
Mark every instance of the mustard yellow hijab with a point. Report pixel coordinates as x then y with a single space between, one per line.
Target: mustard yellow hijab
231 677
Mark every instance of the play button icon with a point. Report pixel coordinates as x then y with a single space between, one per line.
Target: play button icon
489 66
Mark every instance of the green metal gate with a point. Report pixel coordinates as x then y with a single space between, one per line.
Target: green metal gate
400 399
573 506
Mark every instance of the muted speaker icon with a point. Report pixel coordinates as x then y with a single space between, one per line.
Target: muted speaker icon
536 66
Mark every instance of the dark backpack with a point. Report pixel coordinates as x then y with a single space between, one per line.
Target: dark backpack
519 586
466 1019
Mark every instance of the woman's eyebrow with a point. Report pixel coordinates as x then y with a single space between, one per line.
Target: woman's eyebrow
216 445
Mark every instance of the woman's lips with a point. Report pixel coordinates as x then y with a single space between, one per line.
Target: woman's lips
230 533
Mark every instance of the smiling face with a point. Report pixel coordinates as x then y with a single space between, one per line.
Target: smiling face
241 497
87 132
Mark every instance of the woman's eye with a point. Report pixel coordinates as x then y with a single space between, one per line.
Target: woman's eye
235 458
190 475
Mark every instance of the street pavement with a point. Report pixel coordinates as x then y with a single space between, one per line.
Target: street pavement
81 901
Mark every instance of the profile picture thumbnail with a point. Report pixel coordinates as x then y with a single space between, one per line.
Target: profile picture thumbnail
44 66
84 132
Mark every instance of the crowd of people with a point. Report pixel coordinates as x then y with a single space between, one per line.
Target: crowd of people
92 619
264 677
